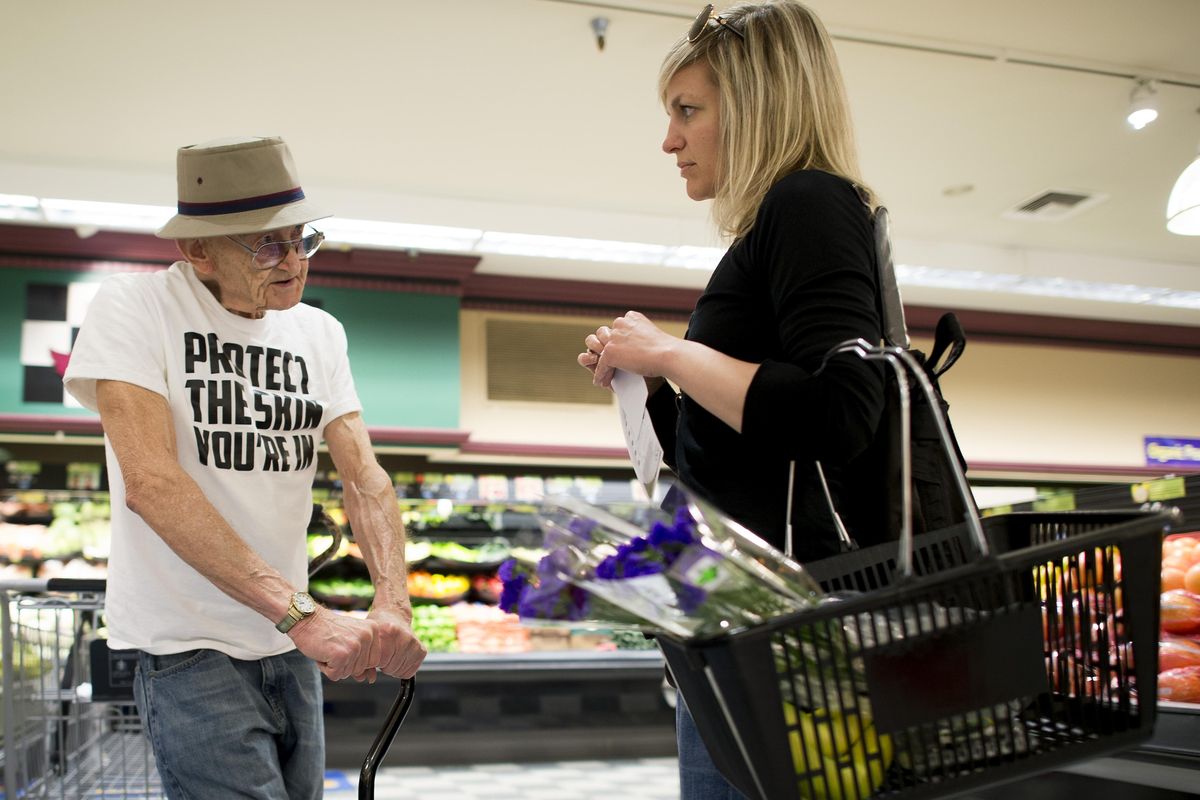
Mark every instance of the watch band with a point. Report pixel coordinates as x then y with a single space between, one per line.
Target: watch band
301 606
293 616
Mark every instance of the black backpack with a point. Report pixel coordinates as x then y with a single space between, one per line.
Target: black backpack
937 501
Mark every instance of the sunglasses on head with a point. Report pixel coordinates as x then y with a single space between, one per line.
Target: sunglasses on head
708 20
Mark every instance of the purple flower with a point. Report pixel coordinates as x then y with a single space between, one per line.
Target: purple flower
607 569
507 570
516 584
690 597
512 593
555 562
554 598
671 540
634 558
582 527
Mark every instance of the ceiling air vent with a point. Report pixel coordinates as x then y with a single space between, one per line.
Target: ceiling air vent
1053 205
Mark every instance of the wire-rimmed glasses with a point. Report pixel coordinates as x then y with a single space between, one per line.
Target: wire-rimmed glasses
269 255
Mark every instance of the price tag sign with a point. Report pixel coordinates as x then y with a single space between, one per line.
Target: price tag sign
1172 452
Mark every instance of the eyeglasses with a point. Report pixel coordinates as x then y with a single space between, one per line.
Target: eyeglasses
708 20
270 255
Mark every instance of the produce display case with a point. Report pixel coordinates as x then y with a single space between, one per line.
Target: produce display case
491 689
522 658
1170 760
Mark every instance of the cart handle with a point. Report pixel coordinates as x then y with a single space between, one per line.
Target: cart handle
366 778
44 585
901 359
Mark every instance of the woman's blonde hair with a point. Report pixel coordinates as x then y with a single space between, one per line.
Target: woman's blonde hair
783 106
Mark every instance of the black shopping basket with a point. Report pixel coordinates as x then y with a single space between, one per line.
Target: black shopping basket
969 656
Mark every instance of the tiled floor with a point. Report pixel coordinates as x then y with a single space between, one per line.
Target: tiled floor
641 779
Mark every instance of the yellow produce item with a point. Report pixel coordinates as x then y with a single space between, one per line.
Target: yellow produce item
837 756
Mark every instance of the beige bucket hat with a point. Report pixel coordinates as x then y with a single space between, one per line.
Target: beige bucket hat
233 186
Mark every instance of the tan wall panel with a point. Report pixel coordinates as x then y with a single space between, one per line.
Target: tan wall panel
532 422
1058 405
1009 403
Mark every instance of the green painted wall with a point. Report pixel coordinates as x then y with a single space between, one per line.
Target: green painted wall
404 350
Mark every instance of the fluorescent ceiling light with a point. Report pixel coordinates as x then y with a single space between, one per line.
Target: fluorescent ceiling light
974 281
399 236
19 208
1183 211
689 257
524 244
109 216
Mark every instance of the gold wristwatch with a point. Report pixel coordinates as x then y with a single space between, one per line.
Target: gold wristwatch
302 606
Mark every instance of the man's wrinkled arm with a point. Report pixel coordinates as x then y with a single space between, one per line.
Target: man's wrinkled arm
139 428
374 515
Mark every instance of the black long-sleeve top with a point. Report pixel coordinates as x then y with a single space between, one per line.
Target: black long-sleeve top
799 283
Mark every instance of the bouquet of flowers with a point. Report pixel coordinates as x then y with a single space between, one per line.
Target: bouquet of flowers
698 574
692 575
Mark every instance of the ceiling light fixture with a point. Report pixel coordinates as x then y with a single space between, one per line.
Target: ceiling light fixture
104 215
89 216
398 235
19 208
1045 286
1183 206
1143 104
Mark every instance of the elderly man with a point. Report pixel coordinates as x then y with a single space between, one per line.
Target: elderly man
214 385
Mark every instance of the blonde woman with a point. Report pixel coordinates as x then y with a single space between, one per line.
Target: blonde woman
759 124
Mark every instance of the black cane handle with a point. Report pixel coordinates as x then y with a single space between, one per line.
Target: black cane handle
366 778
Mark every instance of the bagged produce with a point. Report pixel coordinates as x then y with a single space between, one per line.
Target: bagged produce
1180 611
1181 685
1176 651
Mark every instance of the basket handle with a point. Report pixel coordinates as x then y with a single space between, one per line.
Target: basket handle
902 361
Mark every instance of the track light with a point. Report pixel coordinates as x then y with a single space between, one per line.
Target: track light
1143 105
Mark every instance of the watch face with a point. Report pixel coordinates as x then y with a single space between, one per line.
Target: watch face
304 603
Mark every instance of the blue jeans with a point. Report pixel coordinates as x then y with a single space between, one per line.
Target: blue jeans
225 728
698 776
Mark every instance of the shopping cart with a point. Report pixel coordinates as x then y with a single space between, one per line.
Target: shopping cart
70 726
965 657
65 734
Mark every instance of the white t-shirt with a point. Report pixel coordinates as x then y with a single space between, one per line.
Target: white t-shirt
250 400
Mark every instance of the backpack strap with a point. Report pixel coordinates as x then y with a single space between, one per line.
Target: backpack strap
949 340
891 309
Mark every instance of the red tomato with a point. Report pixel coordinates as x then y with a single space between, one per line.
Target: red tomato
1178 652
1180 611
1181 684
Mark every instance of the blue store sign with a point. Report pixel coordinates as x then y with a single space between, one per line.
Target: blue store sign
1171 452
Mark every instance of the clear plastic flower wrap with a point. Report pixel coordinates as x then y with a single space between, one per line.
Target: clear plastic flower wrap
693 574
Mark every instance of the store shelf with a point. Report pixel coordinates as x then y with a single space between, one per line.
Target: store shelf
1176 736
516 707
534 666
1168 762
1182 492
